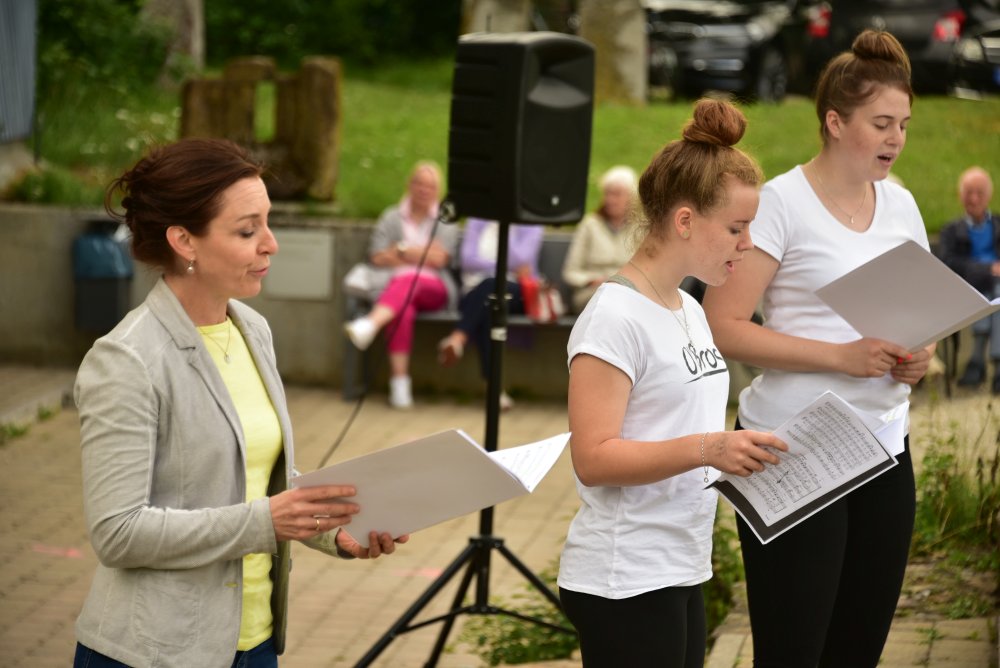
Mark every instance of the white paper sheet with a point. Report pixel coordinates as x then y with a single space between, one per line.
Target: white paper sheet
436 478
906 296
831 451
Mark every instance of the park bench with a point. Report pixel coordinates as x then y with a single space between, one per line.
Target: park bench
359 366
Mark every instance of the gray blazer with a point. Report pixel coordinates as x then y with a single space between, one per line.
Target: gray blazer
164 493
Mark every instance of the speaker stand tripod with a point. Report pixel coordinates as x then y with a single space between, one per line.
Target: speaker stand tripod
476 556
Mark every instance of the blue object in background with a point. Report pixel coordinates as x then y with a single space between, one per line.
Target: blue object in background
102 271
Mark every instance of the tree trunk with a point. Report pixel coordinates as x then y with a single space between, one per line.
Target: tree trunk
186 21
617 29
495 16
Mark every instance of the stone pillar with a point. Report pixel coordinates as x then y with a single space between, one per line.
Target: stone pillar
617 29
308 124
224 107
303 156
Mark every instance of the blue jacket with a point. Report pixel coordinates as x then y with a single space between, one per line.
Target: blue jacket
955 250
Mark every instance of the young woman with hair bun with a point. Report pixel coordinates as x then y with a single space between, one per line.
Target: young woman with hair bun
824 593
647 404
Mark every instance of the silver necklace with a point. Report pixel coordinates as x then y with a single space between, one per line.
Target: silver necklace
684 324
826 192
229 339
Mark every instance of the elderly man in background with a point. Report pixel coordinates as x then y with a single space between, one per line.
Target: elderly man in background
970 245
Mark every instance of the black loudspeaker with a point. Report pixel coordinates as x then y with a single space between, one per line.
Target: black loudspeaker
521 119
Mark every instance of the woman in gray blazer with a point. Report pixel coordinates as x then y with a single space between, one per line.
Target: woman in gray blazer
185 435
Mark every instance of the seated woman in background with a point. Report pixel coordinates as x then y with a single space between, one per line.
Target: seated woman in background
598 246
478 258
397 244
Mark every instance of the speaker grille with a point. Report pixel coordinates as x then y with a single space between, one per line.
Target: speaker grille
521 118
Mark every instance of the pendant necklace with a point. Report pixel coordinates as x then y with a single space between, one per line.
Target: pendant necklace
684 324
229 339
826 192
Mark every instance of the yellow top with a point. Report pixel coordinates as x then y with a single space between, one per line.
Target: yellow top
263 445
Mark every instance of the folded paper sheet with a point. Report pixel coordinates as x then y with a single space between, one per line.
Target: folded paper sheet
432 479
906 296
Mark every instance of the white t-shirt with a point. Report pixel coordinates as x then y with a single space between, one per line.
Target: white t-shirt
812 249
625 541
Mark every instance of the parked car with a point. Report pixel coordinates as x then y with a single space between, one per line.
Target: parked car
975 64
746 47
928 29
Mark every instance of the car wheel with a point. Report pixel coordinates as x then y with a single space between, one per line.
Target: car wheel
771 83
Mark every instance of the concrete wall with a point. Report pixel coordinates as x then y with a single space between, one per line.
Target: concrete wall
301 299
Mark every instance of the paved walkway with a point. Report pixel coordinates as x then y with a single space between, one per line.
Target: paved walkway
338 609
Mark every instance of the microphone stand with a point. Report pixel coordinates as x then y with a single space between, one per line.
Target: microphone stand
476 556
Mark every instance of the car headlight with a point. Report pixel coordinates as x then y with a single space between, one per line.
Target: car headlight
971 50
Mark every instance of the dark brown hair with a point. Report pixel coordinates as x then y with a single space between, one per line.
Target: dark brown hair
852 78
692 170
177 184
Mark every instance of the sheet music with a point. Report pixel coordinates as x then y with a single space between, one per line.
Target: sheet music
530 463
831 451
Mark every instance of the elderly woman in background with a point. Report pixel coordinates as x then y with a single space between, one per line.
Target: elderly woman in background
397 246
185 435
598 248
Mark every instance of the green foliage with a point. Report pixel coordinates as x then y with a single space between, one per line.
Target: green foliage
504 639
384 144
98 108
966 607
88 44
398 112
9 432
727 570
359 31
956 526
957 511
53 185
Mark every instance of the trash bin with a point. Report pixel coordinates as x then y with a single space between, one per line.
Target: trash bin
102 271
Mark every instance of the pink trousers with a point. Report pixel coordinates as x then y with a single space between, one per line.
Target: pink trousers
430 294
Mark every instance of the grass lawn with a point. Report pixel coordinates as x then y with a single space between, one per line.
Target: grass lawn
396 115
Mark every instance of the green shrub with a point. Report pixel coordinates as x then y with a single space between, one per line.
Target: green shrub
500 638
957 508
727 570
84 44
958 512
54 185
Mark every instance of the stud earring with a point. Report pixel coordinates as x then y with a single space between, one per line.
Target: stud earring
685 234
190 267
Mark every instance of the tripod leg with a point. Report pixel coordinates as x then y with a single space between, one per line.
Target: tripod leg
402 623
456 605
531 577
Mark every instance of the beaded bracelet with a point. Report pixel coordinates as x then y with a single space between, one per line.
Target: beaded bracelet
703 462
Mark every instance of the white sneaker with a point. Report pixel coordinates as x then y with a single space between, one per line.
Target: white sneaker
400 395
506 403
361 331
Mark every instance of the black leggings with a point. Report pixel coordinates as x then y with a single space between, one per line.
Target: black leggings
664 628
824 593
